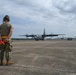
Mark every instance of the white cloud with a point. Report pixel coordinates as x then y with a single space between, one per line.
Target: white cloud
54 15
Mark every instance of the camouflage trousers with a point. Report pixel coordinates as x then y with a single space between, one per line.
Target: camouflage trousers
5 51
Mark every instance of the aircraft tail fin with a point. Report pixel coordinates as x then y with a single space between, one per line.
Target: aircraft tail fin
44 32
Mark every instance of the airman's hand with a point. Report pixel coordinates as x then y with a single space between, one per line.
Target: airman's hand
6 40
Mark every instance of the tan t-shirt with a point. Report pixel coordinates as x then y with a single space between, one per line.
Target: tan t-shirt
5 29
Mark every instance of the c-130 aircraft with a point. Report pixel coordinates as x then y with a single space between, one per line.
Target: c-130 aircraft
41 37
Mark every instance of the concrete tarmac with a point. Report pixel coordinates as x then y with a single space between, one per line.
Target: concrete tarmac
52 57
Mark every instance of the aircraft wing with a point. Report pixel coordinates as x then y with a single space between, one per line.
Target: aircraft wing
51 35
32 35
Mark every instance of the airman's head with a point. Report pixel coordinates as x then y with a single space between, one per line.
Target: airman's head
6 18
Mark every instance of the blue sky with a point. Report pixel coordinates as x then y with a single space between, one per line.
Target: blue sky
32 16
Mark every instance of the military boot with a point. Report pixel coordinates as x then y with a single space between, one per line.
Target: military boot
8 62
1 62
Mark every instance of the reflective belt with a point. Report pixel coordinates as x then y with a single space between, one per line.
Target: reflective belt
4 36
